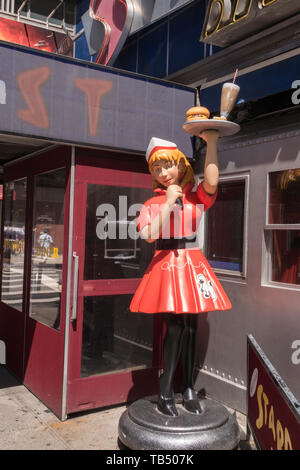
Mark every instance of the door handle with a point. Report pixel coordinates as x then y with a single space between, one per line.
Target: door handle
75 287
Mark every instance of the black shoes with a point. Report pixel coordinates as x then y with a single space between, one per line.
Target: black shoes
191 401
166 403
167 406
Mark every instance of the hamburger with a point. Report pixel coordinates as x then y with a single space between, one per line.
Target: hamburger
196 113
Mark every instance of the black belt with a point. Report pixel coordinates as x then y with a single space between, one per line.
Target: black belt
173 243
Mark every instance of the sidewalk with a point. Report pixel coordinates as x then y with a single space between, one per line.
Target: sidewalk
27 424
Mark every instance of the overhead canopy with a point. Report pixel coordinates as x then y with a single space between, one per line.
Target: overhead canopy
59 99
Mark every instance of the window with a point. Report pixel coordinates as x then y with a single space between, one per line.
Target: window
127 59
184 36
282 232
225 227
152 55
47 247
14 243
116 255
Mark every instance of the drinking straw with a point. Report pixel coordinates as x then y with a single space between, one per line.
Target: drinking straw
235 75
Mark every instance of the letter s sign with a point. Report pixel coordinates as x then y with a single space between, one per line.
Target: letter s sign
106 25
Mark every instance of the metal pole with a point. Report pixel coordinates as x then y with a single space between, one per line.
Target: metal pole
54 10
22 6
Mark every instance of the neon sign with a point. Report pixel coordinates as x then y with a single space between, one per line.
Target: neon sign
228 21
36 113
106 26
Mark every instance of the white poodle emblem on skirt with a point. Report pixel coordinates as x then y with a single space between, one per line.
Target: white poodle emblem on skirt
206 287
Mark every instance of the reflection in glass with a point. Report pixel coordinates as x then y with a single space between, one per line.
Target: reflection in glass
114 210
114 339
285 256
284 197
47 247
14 243
224 237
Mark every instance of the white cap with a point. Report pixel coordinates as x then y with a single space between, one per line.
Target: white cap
158 144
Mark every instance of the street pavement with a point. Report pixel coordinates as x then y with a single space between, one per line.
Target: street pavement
27 424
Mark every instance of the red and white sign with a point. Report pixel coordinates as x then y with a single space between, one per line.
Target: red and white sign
115 19
273 411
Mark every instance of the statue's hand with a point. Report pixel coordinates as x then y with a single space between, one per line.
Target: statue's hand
173 192
210 136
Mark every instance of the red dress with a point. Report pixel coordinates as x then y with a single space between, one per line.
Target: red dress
179 280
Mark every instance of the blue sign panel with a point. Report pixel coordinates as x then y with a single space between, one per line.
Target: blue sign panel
268 80
66 100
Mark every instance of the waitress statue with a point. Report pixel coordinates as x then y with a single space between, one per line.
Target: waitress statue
179 283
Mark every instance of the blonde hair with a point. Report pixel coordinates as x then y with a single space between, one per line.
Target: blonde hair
173 155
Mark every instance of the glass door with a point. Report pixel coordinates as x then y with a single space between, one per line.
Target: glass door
44 332
113 352
34 253
12 317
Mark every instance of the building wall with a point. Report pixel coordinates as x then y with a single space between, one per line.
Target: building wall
167 45
268 311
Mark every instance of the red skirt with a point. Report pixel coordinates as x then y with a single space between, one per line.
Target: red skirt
179 281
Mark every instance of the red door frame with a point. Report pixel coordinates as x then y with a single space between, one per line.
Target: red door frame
106 389
38 358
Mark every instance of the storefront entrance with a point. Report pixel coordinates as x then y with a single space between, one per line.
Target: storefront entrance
34 244
71 263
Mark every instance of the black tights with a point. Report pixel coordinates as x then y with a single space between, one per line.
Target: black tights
180 339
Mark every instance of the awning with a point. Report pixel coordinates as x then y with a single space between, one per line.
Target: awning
66 100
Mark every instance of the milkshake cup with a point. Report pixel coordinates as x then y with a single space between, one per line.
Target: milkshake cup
229 95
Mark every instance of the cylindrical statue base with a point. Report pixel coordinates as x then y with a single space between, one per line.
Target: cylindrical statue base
143 427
